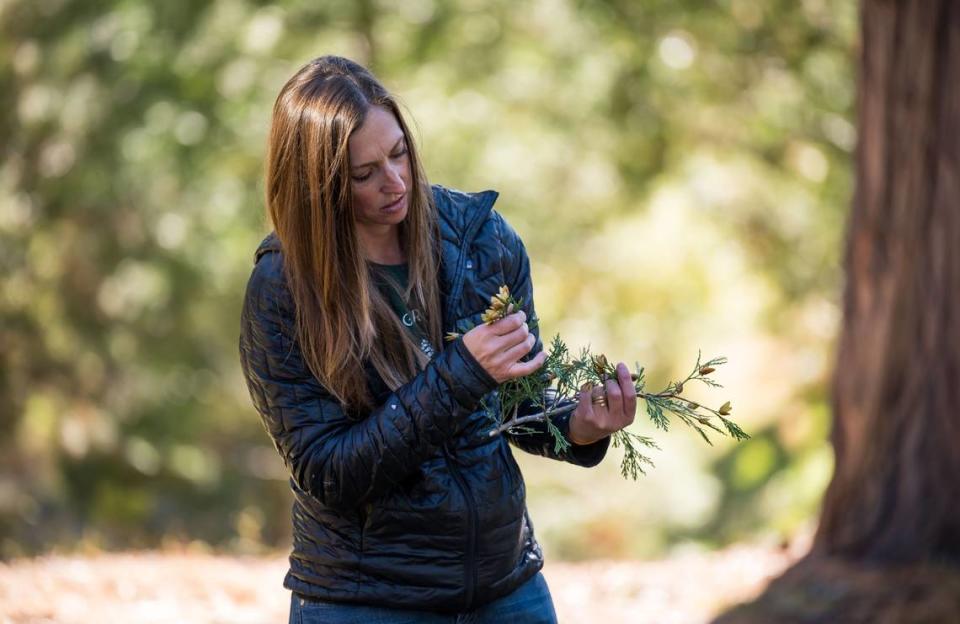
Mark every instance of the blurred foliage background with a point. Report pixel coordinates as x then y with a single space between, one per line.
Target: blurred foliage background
680 172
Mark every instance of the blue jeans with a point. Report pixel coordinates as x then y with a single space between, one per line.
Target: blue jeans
528 604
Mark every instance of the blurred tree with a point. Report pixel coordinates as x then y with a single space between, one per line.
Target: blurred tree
895 494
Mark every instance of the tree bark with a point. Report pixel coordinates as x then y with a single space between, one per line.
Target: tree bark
895 493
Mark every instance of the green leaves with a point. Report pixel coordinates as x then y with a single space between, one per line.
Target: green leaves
633 459
554 391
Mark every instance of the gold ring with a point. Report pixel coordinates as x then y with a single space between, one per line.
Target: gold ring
599 400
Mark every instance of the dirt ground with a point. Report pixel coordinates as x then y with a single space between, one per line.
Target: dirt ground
196 588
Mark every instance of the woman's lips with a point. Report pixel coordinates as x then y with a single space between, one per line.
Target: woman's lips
395 206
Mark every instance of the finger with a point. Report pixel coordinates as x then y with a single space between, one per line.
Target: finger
515 337
628 391
509 323
614 398
522 369
585 402
518 337
598 402
517 351
598 395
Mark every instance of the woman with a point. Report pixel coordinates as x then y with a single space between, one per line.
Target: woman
405 509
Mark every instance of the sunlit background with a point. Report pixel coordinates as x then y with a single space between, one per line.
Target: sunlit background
680 173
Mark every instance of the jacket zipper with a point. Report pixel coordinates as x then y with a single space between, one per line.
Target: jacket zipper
469 570
364 513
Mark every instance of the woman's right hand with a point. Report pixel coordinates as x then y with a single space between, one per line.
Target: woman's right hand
499 346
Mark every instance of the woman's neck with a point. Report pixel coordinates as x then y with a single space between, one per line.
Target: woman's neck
382 248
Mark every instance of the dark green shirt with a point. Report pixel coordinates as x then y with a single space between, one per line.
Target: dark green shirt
392 279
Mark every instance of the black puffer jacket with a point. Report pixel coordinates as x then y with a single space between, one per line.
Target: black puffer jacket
413 505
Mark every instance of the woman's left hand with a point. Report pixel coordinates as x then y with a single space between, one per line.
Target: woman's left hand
604 410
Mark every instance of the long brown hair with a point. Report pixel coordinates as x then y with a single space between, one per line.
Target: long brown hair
342 319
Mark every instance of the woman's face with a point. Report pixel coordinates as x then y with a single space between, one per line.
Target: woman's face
379 174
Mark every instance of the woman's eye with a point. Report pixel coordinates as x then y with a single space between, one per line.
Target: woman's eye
400 152
362 178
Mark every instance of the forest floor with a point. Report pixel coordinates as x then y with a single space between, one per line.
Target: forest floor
188 587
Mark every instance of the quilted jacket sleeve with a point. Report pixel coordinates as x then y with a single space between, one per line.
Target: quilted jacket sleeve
343 462
540 441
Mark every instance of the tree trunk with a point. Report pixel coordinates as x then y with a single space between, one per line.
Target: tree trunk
895 493
888 542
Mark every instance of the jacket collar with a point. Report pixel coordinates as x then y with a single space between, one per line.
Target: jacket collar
270 243
461 214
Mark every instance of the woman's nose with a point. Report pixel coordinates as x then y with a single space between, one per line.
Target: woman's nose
394 181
